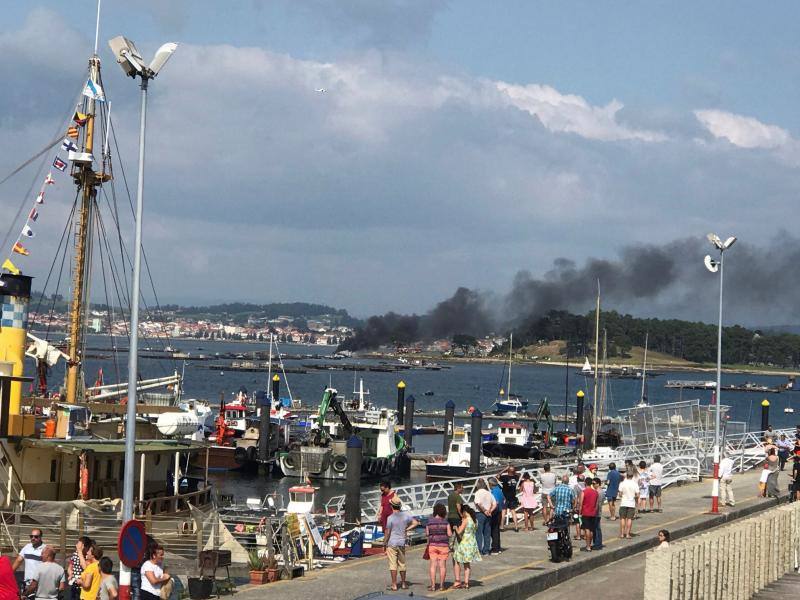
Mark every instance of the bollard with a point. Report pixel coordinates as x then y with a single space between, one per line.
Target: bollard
449 417
476 440
352 498
579 419
276 390
408 423
764 414
264 426
401 398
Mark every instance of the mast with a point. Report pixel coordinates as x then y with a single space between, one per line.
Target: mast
643 398
510 352
604 388
596 363
87 180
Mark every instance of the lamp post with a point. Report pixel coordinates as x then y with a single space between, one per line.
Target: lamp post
130 60
714 266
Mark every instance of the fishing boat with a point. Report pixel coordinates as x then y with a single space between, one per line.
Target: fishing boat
322 454
513 441
457 462
507 402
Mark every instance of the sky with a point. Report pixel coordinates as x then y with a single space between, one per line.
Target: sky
454 144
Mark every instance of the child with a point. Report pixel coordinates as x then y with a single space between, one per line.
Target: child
530 501
644 486
762 482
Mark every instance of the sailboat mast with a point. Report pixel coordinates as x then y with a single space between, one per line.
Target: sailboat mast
510 353
596 363
87 180
643 398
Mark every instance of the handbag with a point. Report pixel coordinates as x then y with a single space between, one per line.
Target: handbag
425 555
166 589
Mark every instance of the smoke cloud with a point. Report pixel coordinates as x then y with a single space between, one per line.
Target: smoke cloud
646 280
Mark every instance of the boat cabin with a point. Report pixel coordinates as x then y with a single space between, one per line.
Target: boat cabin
512 433
301 499
460 448
58 469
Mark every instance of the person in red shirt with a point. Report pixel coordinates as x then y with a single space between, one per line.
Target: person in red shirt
588 505
386 496
8 584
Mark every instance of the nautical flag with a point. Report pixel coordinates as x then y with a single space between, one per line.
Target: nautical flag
20 249
80 118
59 164
49 179
9 266
68 146
72 132
33 215
27 231
94 91
40 198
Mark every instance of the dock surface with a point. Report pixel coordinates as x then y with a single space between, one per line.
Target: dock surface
523 569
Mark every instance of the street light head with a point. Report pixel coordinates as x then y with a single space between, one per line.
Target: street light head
161 57
711 264
714 239
728 243
127 55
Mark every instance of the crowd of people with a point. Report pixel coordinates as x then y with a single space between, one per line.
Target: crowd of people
89 574
464 533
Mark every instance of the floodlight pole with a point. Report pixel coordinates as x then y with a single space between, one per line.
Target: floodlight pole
133 359
715 487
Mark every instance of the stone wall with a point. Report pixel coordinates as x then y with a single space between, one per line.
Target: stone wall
730 562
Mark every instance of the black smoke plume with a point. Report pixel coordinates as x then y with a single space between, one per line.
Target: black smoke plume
762 287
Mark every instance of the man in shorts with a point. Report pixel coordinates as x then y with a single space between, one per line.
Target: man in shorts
395 539
548 481
613 480
656 475
629 492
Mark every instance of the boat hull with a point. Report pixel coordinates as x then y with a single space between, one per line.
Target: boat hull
502 450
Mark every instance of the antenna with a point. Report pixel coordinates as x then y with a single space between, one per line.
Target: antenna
97 28
711 264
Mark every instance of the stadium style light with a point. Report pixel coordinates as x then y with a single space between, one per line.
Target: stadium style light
715 265
132 64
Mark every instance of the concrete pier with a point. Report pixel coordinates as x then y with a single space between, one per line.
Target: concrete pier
523 569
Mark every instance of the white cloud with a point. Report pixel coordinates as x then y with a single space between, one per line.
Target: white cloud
573 114
745 132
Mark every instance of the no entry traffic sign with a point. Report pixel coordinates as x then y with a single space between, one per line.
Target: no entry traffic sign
132 543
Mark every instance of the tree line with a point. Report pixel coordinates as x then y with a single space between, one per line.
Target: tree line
692 341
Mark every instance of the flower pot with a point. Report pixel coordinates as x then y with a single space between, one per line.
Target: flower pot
258 577
272 575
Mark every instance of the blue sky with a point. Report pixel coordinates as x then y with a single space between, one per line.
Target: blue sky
457 143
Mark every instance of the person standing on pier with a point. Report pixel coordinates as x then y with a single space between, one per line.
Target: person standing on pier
795 490
613 479
726 481
562 498
587 504
31 555
76 564
395 540
454 503
439 533
484 507
466 548
50 580
509 480
629 491
784 448
548 480
656 475
90 578
499 510
597 544
386 507
530 501
774 470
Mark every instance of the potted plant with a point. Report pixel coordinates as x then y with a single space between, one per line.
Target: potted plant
258 575
271 566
